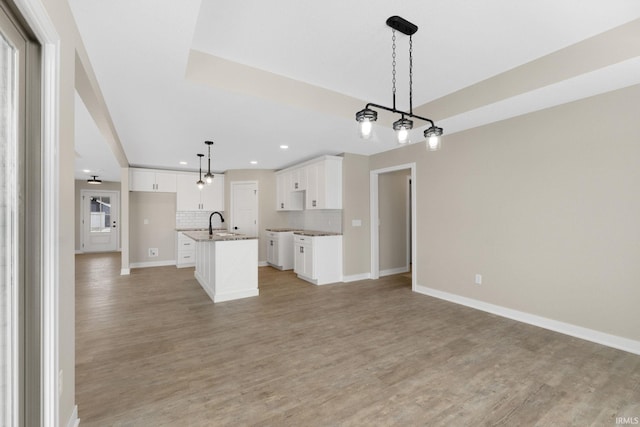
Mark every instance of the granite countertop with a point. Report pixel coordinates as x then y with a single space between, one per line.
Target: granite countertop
199 229
313 233
219 236
282 229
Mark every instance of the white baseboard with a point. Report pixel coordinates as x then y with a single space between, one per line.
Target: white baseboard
125 272
397 270
152 264
263 263
356 277
74 421
78 251
597 337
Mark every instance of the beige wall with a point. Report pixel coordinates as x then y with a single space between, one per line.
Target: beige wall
544 206
83 185
159 211
355 206
267 215
392 211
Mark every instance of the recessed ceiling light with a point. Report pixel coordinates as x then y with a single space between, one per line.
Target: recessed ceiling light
254 162
284 147
86 170
183 163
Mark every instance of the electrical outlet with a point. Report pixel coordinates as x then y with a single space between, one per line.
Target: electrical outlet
153 252
478 279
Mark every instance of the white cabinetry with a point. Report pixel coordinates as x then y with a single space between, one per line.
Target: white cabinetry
151 180
324 184
318 259
286 199
186 251
280 249
190 198
316 184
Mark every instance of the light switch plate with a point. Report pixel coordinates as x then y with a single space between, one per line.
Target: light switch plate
356 223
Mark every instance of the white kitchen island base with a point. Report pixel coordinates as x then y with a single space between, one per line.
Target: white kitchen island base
227 269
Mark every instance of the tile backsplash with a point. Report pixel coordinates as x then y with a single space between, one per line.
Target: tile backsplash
197 219
321 220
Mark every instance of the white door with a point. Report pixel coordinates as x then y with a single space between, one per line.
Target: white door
244 207
99 220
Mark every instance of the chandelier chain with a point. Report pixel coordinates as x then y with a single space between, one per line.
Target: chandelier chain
393 63
410 75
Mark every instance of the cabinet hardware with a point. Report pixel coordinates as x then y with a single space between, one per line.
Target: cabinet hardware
296 186
313 203
301 249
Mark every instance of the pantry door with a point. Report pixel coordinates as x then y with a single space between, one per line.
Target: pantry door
244 207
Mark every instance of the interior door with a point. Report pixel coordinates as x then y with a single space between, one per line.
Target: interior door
100 220
244 208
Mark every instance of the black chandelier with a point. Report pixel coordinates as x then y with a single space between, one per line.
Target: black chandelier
367 116
200 182
208 177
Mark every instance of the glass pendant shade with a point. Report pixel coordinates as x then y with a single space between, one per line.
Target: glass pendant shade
433 138
208 177
366 117
402 128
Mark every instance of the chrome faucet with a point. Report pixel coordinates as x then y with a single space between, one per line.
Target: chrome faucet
211 216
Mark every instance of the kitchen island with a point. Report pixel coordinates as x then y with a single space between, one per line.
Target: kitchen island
226 264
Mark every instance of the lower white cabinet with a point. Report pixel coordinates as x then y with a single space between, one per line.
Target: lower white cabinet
318 259
280 249
186 251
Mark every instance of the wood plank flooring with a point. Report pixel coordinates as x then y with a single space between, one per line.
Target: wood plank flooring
153 350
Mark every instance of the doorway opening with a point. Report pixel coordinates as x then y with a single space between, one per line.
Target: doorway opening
393 219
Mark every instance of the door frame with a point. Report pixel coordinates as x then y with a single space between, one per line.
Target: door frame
232 199
38 20
375 220
115 196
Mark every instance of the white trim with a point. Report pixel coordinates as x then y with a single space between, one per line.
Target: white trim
356 277
375 220
40 23
79 252
125 271
587 334
391 271
263 264
74 421
408 221
146 264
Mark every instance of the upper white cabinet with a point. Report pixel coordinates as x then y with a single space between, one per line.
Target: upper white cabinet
287 200
298 179
151 180
190 198
324 184
316 184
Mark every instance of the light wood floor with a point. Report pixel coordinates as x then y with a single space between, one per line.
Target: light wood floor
153 350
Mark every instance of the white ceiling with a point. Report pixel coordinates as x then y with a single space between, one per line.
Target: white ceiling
140 52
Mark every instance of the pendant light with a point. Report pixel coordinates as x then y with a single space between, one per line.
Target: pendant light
208 177
200 182
94 180
367 116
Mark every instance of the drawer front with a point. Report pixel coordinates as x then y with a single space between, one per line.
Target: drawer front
302 239
186 245
186 257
